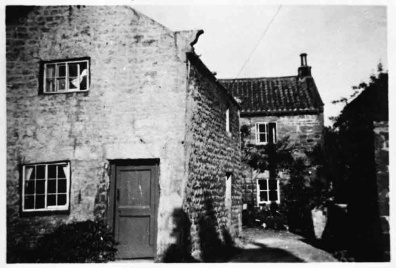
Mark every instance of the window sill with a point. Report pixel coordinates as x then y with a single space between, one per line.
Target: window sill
65 92
34 213
265 143
261 143
268 203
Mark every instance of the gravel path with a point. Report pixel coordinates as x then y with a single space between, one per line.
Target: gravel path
278 246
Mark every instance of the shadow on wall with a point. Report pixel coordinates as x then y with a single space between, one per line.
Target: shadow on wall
213 248
216 244
181 250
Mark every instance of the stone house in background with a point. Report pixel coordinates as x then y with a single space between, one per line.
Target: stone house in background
111 115
273 108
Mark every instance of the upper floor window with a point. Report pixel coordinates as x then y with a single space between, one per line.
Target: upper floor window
46 187
265 133
66 76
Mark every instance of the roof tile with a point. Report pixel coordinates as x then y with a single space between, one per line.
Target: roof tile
274 95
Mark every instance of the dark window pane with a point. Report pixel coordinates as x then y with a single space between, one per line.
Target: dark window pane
73 69
273 195
50 85
83 76
83 66
263 184
273 184
40 172
61 172
61 199
29 180
83 84
40 199
51 171
263 196
270 137
262 127
61 84
29 201
61 186
62 70
50 71
262 138
272 132
29 187
51 186
40 186
33 175
51 200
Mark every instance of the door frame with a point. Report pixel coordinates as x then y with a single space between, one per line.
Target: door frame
112 186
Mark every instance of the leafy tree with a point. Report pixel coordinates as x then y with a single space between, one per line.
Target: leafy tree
350 162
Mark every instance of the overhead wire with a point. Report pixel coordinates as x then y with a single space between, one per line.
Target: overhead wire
262 36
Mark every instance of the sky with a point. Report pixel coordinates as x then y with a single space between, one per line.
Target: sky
344 39
344 43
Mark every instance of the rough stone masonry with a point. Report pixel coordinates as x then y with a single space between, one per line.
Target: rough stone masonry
147 100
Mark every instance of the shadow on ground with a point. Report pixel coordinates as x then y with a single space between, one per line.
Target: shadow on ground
264 254
215 242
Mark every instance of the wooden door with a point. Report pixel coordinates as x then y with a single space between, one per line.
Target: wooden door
135 223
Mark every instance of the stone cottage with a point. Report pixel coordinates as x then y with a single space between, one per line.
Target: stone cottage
273 108
111 115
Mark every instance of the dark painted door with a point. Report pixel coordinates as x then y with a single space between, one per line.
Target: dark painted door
135 210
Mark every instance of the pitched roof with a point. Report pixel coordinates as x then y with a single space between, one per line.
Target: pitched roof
275 95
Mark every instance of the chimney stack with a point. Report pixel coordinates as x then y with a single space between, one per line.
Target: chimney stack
304 70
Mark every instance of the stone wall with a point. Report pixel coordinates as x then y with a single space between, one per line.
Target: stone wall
135 109
381 148
212 155
304 131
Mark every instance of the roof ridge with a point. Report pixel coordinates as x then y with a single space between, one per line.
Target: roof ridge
253 78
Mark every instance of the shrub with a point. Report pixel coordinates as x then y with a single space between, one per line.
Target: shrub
269 216
77 242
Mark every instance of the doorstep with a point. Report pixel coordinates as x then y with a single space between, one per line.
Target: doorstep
134 261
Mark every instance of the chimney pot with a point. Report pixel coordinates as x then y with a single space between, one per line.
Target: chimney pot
304 70
303 59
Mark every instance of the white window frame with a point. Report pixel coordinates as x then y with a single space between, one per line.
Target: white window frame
228 120
228 198
80 76
266 132
259 201
46 207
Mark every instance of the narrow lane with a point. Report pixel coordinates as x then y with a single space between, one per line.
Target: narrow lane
278 246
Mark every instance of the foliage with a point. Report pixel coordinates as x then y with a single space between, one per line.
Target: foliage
270 217
77 242
272 157
373 101
349 143
350 163
303 191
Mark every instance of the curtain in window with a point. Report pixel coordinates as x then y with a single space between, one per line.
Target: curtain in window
65 170
28 173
